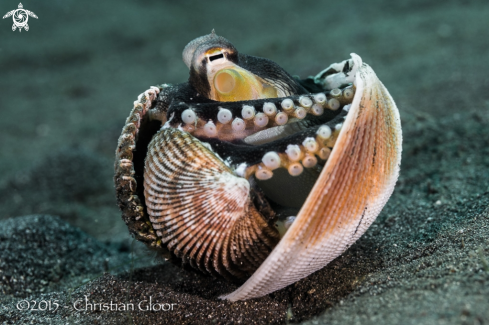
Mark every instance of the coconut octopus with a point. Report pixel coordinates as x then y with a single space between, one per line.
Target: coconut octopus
247 173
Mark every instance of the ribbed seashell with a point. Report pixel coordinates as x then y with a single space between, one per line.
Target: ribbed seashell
201 210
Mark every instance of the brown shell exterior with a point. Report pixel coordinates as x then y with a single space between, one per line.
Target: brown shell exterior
352 189
201 210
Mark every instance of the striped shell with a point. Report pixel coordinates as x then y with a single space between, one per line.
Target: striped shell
204 211
201 209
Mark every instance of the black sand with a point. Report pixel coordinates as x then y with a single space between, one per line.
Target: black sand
68 83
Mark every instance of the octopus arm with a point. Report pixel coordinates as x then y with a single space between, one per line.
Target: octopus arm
279 140
230 121
137 132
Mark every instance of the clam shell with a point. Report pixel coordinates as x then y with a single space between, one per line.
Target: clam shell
201 210
353 187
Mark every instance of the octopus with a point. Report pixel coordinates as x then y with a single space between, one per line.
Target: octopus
249 174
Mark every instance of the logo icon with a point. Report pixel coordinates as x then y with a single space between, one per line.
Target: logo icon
20 17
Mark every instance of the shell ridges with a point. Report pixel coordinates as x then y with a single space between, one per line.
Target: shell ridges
325 208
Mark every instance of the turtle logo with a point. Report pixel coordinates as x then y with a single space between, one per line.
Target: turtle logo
20 17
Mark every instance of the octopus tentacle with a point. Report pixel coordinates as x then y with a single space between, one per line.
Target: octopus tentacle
129 197
231 121
310 141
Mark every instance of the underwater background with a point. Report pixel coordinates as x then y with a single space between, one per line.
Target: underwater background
68 84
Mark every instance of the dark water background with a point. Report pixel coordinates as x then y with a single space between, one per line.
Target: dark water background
67 85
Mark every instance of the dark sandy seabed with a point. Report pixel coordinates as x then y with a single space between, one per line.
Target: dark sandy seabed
68 83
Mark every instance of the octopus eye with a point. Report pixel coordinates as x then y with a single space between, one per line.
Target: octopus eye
216 57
